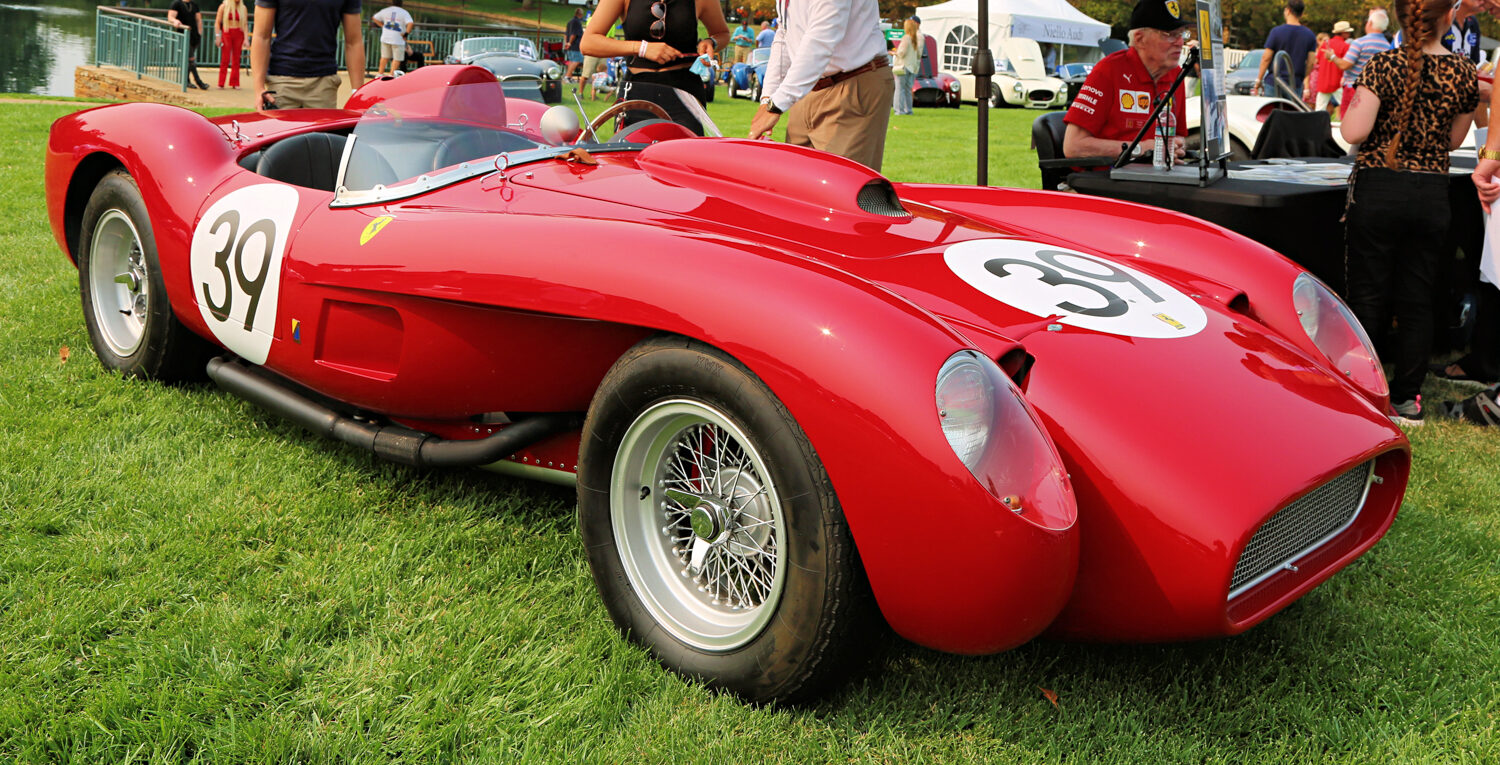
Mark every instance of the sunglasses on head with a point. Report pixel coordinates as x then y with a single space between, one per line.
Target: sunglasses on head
659 27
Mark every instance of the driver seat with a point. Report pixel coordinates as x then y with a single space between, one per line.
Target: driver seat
310 160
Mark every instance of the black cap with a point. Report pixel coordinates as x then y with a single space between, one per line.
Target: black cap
1166 15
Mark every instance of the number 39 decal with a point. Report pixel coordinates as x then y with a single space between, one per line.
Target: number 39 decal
236 266
1081 290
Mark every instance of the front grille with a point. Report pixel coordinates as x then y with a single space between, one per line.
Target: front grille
1301 527
1042 96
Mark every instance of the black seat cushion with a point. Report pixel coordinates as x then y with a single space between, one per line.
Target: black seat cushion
476 144
1290 133
1047 135
310 159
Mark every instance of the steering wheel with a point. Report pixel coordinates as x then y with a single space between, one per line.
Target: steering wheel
618 109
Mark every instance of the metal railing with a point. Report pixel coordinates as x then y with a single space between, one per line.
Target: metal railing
442 36
142 43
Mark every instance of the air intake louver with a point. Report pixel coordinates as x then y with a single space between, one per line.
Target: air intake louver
878 198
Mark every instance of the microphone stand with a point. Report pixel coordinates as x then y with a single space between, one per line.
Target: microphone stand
1161 103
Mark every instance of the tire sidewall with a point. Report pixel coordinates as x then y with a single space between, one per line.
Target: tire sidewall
118 191
769 665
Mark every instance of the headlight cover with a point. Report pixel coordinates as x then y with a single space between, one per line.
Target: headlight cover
1335 331
998 437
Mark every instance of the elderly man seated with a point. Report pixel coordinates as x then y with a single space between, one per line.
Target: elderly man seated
1122 89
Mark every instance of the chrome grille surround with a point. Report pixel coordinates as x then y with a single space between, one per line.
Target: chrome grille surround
1301 527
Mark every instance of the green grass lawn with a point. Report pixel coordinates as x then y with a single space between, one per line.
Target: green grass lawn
185 578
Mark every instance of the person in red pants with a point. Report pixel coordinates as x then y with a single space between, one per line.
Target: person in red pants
229 28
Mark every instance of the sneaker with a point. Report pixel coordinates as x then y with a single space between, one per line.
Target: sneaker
1408 413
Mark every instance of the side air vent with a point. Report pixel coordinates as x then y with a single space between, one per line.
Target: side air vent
878 198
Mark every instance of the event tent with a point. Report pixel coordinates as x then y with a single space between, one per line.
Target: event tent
955 26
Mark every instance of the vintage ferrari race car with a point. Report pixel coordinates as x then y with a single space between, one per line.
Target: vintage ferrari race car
915 403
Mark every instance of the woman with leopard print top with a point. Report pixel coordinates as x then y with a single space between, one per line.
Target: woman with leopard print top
1411 106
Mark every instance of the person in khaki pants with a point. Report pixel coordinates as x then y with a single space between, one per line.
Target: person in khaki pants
830 74
299 68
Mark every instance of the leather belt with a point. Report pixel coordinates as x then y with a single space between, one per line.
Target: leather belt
879 62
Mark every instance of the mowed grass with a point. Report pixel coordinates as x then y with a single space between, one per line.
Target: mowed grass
184 578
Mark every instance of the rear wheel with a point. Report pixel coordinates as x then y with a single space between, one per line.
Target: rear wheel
712 530
130 321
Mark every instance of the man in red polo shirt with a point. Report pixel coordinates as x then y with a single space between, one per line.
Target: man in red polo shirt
1122 89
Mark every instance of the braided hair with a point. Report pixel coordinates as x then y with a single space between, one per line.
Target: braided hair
1420 23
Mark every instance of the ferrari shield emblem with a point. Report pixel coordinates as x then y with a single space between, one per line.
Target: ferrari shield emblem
374 228
1173 9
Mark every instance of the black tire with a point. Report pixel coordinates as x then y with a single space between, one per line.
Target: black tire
754 88
794 626
130 321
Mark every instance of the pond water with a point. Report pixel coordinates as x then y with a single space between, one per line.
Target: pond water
43 41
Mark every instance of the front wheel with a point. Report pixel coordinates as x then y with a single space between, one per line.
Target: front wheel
125 307
713 532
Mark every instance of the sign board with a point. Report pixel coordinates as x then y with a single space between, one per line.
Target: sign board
1214 119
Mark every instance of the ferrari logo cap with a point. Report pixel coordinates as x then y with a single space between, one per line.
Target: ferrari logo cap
1165 15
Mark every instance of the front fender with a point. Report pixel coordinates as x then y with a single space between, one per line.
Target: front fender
854 364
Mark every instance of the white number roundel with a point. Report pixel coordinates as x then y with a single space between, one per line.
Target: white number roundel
1080 290
236 265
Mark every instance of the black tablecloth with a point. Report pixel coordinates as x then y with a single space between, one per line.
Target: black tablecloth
1300 221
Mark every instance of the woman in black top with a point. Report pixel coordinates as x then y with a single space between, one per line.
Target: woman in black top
184 13
661 37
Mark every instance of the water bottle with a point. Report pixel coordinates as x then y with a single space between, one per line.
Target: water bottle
1166 130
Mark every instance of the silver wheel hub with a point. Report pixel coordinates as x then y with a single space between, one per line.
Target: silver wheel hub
697 525
118 282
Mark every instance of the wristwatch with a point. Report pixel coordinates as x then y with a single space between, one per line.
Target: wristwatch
770 105
1489 153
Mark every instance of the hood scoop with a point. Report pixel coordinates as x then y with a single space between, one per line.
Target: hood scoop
788 173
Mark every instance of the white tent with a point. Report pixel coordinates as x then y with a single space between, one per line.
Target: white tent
955 26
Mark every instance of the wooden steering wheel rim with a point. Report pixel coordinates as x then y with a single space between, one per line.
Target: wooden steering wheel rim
619 108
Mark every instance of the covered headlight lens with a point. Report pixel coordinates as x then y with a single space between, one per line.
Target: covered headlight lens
552 72
1001 441
1335 331
1017 88
966 406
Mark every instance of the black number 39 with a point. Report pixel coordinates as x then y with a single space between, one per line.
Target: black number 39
234 244
1052 269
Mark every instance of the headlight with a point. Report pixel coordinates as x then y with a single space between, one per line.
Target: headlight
954 86
552 72
999 439
966 406
1017 88
1337 333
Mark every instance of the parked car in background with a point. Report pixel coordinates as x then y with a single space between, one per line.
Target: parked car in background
931 86
743 80
514 62
1244 116
1073 76
1239 80
1020 78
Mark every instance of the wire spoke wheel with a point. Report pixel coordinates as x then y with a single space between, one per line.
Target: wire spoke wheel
699 526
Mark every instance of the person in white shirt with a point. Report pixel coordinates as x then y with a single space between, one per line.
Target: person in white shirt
394 24
828 73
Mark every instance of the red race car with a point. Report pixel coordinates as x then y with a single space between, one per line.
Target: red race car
978 414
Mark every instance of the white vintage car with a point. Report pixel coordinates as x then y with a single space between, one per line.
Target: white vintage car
1244 117
1020 78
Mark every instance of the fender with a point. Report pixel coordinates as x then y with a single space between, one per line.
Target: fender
923 524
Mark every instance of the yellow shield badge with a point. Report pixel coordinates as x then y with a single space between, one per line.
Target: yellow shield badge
374 228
